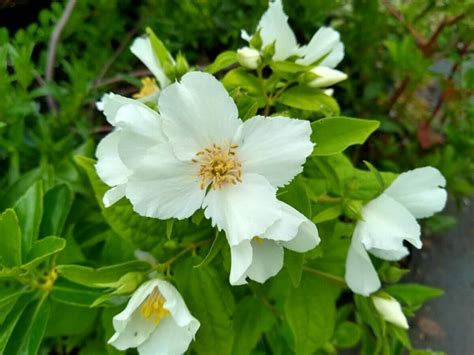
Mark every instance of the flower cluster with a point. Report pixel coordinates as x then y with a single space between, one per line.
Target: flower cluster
180 146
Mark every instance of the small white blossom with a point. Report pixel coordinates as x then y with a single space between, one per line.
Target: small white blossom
326 77
248 57
391 311
156 321
390 219
325 46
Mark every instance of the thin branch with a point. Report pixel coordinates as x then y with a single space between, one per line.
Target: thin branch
326 275
121 77
52 46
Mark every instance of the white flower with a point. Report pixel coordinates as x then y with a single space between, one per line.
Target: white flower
391 311
262 257
390 219
326 77
325 46
197 153
156 321
248 57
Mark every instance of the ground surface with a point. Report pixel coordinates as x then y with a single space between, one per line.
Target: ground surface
447 261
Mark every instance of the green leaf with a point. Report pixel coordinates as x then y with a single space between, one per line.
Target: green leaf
91 277
210 300
310 99
164 57
59 325
289 67
29 331
146 233
377 176
73 294
412 294
240 78
294 265
334 135
29 210
310 311
7 327
223 60
369 315
19 188
10 239
390 273
57 203
327 214
44 248
347 335
218 243
251 320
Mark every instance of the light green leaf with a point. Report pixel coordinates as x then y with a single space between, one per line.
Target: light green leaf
294 265
10 239
73 294
240 78
309 99
91 277
347 335
210 300
164 57
333 135
57 203
327 214
310 311
44 248
251 320
223 60
412 294
289 67
11 195
29 210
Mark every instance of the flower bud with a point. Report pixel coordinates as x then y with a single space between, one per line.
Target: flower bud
325 77
248 57
390 310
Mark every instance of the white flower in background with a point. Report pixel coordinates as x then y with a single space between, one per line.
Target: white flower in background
143 50
390 310
248 57
326 77
262 257
156 321
390 219
325 48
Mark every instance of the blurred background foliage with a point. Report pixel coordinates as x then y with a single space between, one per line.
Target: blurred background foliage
410 65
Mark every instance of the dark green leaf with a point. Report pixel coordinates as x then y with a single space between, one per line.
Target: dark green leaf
294 265
74 295
57 203
59 325
7 327
347 335
10 239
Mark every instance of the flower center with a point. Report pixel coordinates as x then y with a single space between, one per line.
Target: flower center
149 87
218 166
152 307
259 241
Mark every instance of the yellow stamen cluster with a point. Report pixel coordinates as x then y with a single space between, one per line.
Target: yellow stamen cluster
259 240
218 166
149 87
152 307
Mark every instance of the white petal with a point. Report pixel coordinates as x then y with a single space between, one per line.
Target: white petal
326 77
244 210
174 303
109 166
274 147
391 255
141 48
241 258
293 230
387 222
164 187
111 103
198 112
113 195
361 276
274 27
325 42
267 260
391 311
421 191
169 338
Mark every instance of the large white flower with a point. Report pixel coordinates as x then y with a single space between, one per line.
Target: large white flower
325 47
156 321
389 220
262 257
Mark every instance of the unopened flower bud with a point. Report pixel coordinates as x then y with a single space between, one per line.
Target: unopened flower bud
248 57
325 77
390 310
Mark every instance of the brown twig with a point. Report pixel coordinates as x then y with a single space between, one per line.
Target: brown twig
121 77
52 46
429 46
420 40
398 92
